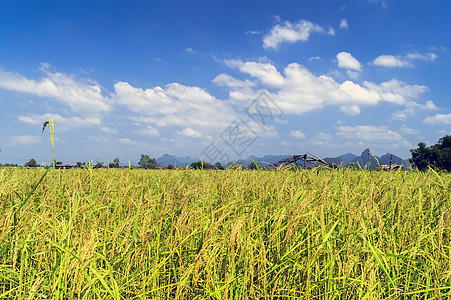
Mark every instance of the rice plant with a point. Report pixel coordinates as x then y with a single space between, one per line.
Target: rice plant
233 234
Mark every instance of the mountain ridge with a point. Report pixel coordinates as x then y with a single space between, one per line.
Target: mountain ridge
269 159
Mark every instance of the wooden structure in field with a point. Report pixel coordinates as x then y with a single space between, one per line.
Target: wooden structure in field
389 167
304 158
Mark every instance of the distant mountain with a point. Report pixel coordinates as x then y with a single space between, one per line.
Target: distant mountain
187 160
261 161
347 158
365 158
396 160
333 160
168 159
377 161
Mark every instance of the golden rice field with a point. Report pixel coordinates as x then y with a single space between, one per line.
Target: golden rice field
186 234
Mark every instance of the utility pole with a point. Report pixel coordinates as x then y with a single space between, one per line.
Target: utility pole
108 161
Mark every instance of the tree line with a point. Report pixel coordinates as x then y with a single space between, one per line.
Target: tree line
437 156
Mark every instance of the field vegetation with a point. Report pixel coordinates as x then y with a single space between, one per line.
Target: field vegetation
233 234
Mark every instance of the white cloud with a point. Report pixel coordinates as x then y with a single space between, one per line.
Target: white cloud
239 90
108 130
430 105
191 51
323 136
408 130
253 32
297 134
189 132
266 72
395 91
314 58
400 115
229 81
344 24
24 140
291 33
368 133
438 119
61 123
149 131
390 61
427 57
174 105
331 31
381 2
353 74
411 108
443 132
347 61
352 110
81 95
299 91
127 141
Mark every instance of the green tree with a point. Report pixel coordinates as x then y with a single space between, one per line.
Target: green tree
99 165
422 156
31 163
443 152
438 155
115 163
170 167
252 166
146 162
219 166
201 165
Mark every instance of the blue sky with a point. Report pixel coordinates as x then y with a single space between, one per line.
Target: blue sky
222 79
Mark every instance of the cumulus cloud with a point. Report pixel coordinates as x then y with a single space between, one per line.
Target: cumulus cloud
189 132
81 95
344 24
411 108
292 32
390 61
368 133
402 61
297 134
347 61
229 81
61 123
299 91
174 105
439 119
24 140
397 92
265 72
